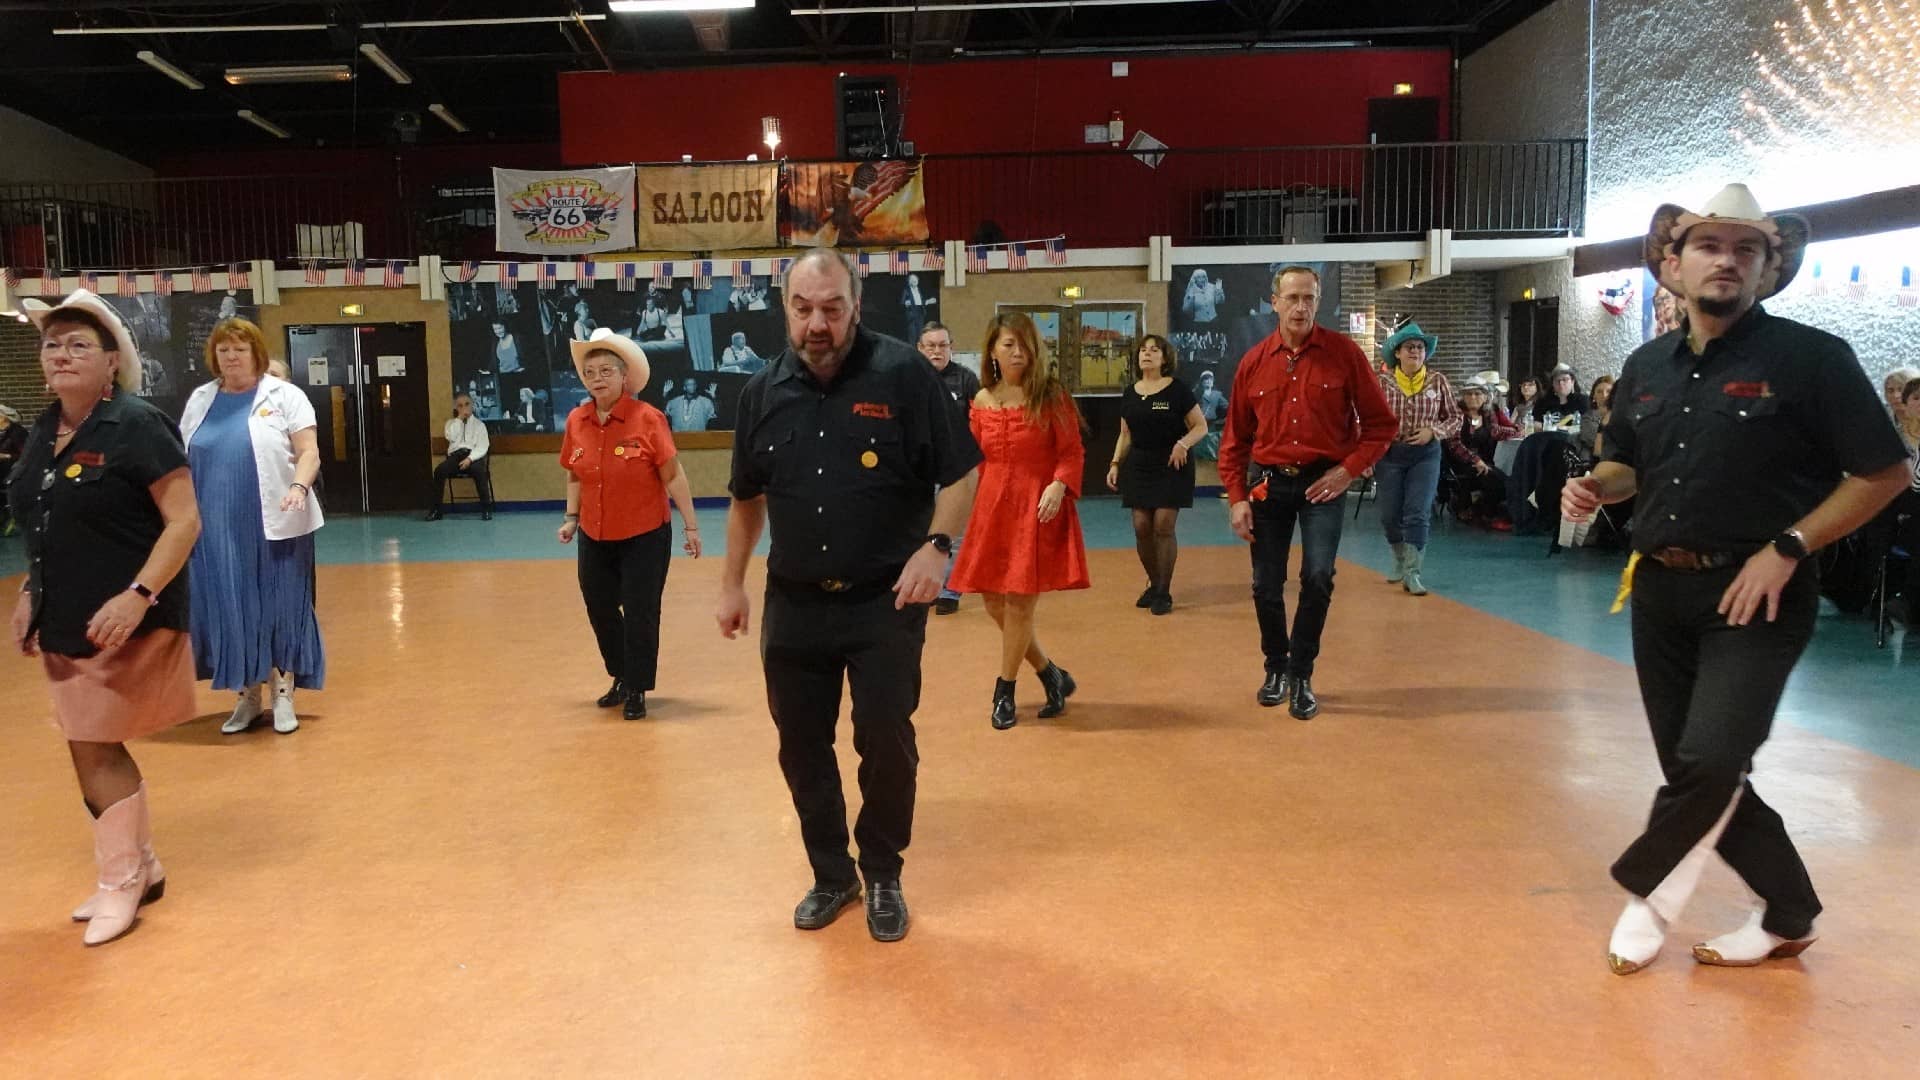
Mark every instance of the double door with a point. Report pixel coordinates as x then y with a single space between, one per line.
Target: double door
368 385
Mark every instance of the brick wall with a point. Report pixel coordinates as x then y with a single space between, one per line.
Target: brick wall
1458 308
21 384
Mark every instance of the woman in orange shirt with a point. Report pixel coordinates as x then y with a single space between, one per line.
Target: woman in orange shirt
621 469
1024 536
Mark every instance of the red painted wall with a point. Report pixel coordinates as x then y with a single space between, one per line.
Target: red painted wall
979 106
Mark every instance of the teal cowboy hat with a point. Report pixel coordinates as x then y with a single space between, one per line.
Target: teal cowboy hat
1410 332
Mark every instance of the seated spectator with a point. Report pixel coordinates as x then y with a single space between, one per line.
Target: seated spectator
1563 405
1479 489
1906 518
467 446
1905 416
1525 396
1599 408
13 440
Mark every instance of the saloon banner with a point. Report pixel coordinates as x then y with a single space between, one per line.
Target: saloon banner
563 213
708 207
865 202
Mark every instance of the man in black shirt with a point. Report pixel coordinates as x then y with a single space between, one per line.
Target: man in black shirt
1751 441
840 444
936 344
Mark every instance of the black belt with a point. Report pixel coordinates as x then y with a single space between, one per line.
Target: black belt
1311 471
836 588
1694 562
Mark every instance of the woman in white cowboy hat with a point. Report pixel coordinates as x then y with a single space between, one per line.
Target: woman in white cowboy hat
107 500
621 470
1409 475
1470 455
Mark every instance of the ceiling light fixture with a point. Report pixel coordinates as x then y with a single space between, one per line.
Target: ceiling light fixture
159 63
385 63
264 124
289 73
446 116
655 7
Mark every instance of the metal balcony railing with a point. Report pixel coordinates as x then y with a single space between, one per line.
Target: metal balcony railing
1096 198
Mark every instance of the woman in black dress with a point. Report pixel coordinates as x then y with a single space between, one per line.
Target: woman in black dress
1160 423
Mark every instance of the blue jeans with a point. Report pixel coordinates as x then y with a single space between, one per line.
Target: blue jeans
1406 480
1273 522
946 593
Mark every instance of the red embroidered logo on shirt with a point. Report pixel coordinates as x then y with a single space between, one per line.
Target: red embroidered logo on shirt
89 457
873 410
1747 390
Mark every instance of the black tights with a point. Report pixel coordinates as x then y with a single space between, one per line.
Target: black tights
1154 541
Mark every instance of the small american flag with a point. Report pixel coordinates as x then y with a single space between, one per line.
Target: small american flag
624 277
782 265
163 283
1856 282
1057 251
356 272
902 262
512 274
937 260
396 274
742 269
663 274
315 275
129 284
546 273
874 184
1819 287
1017 257
976 259
587 272
1906 295
703 274
203 277
863 264
469 270
50 283
90 280
239 276
13 277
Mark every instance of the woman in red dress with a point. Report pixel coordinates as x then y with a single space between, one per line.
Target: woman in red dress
1024 535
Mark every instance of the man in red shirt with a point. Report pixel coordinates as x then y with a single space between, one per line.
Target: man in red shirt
1306 417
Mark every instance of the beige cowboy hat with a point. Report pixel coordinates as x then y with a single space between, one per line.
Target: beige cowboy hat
1786 234
638 370
127 376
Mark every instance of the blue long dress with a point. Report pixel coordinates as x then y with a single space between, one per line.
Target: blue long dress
252 600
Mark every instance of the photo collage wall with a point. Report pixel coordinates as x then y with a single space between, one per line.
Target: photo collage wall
171 333
511 352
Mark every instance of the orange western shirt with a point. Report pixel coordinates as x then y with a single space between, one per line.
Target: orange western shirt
1321 404
618 466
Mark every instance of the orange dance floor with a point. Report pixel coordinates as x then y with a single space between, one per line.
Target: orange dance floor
460 867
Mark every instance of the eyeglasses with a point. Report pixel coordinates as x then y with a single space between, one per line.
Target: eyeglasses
77 348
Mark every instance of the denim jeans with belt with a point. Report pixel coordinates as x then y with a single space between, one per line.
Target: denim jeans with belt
1273 522
1405 482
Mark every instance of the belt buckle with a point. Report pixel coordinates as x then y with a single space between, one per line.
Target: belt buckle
835 585
1287 470
1674 558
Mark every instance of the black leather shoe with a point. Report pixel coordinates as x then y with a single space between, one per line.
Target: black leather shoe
615 695
886 910
823 904
946 605
486 515
1302 704
1162 603
1274 690
1003 717
636 706
1146 598
1060 686
434 515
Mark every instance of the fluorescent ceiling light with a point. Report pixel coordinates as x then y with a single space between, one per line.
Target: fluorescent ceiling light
385 63
264 124
654 7
289 73
159 63
446 115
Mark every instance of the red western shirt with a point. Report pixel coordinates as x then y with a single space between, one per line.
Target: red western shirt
1322 403
618 466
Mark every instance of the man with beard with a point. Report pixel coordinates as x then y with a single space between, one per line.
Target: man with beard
849 420
1752 442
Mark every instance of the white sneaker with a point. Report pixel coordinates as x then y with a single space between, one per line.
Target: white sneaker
245 711
284 721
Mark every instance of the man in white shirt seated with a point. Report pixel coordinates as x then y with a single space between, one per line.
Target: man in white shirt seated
466 457
739 358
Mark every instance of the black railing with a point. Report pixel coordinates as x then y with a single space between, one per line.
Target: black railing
1096 198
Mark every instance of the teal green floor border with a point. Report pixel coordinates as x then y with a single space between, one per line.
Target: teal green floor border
1844 688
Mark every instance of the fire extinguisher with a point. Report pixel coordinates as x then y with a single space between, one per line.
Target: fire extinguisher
1116 128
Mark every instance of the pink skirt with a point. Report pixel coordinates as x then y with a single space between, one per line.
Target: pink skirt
140 688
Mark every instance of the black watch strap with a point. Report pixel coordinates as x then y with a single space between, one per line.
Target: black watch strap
1791 544
941 542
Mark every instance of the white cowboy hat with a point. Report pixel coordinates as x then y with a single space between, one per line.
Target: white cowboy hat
1786 234
127 376
638 370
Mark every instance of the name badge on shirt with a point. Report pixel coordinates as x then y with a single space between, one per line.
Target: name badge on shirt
619 451
869 459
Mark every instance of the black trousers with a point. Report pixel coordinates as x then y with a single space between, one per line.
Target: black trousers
621 581
1710 691
482 474
1491 486
1274 518
809 641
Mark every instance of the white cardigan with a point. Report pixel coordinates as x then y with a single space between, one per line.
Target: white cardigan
279 409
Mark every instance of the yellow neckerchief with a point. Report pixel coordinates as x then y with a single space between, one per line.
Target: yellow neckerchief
1410 385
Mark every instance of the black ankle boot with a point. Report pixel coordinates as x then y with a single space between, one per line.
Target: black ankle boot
1003 717
1060 686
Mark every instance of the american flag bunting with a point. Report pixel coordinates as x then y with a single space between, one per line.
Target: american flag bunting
396 274
546 273
703 274
624 277
90 280
781 266
50 283
863 264
1819 283
203 278
1017 257
1906 295
469 269
239 276
1057 251
663 274
356 272
315 275
1856 282
163 283
937 259
129 284
976 259
902 262
587 271
512 275
742 269
12 276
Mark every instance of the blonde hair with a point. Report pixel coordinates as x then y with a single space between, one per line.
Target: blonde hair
241 330
1045 391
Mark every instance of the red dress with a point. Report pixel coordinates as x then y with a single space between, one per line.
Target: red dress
1006 548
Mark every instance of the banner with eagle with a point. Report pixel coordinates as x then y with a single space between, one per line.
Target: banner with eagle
845 203
563 213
